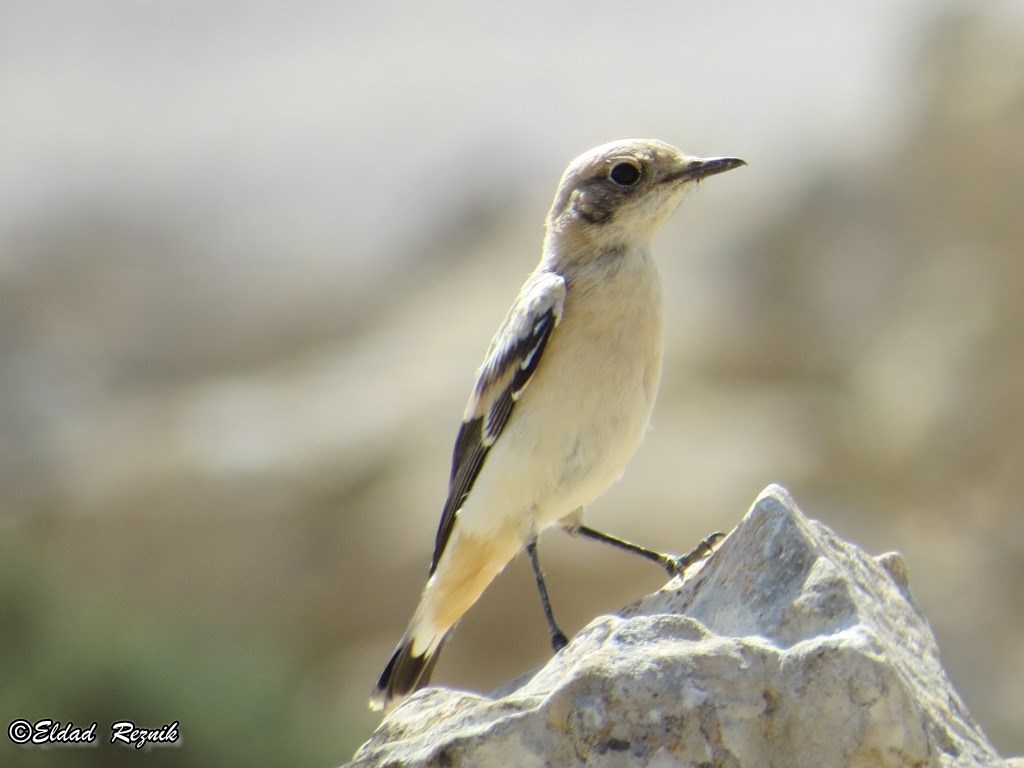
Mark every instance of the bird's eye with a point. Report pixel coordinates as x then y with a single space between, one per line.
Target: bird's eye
625 174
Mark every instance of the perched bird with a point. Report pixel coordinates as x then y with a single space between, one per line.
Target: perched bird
564 395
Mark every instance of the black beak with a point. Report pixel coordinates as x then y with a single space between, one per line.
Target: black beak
701 167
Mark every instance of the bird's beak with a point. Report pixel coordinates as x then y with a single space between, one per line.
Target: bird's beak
701 167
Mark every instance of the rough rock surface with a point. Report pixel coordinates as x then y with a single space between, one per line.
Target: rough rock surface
789 647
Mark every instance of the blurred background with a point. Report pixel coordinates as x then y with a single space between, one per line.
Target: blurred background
251 254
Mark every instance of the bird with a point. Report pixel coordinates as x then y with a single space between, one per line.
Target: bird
564 396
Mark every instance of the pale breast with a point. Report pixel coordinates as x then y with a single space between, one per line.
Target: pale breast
585 411
606 359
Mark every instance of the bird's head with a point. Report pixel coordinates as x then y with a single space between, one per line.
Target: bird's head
622 191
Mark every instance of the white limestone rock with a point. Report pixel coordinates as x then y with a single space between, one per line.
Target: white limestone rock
789 647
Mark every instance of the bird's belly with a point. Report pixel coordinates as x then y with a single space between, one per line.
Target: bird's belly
584 413
606 426
579 444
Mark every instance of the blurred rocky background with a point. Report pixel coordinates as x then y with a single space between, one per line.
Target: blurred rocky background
251 254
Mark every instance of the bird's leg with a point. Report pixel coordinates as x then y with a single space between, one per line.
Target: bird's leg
558 639
676 565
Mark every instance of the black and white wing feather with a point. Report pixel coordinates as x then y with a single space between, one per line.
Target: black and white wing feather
514 355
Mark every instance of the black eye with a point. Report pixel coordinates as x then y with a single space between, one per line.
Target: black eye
625 174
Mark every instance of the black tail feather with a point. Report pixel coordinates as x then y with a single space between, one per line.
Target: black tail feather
403 675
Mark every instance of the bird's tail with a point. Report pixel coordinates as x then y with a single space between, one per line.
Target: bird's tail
404 674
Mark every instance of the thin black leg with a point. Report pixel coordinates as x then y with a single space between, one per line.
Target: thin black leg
558 639
676 565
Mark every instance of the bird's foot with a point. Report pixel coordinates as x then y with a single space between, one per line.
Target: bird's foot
558 641
677 565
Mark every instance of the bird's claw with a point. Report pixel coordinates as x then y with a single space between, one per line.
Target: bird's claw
558 641
677 565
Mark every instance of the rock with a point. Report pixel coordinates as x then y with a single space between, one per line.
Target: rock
789 647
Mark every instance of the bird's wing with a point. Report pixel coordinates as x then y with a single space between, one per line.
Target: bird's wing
513 356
